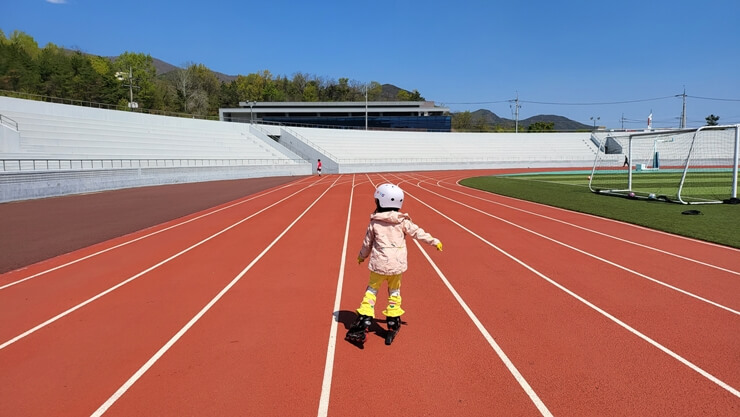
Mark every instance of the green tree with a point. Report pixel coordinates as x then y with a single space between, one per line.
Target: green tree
251 87
311 92
282 84
107 84
296 86
270 89
197 90
86 83
480 125
228 95
462 121
165 96
375 90
56 72
18 71
541 127
403 95
712 120
25 42
415 96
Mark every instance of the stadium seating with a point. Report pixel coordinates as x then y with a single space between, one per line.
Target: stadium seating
348 146
206 150
95 134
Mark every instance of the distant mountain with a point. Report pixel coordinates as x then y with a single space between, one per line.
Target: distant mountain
560 123
165 67
389 92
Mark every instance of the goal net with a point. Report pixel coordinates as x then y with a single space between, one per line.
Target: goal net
687 166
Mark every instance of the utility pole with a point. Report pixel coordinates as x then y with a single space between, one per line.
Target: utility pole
516 112
365 106
622 119
683 108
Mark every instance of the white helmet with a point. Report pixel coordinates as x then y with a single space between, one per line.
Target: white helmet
389 196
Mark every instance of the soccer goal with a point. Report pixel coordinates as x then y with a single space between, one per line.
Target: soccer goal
690 166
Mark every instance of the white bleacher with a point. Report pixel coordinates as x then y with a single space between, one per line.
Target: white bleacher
55 131
515 149
55 149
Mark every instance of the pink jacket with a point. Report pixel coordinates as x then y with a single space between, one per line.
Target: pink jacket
385 241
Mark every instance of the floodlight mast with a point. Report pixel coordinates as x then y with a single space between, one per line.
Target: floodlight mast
130 85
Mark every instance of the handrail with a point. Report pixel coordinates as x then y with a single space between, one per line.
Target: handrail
503 158
83 103
7 121
56 164
313 145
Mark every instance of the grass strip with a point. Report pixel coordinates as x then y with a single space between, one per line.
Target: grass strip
718 223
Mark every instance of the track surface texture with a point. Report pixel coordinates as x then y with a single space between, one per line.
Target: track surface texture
233 299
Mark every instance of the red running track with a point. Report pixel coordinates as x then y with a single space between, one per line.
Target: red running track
241 310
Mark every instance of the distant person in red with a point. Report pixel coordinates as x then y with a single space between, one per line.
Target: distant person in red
318 167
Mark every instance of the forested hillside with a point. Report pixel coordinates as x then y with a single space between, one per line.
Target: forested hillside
157 86
57 72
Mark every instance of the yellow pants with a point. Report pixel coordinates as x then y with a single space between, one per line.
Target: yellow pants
367 307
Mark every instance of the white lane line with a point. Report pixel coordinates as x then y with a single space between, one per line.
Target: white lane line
598 232
138 374
121 284
329 366
491 341
146 236
622 324
606 261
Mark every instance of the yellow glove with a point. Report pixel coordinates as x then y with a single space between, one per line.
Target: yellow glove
360 260
439 246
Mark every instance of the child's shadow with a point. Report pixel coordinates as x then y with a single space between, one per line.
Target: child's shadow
346 318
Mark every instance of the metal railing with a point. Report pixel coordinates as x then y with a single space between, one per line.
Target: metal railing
83 103
310 143
16 165
7 121
464 160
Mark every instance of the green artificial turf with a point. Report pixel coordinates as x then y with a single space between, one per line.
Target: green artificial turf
718 223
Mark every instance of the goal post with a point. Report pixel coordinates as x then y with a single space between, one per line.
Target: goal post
689 166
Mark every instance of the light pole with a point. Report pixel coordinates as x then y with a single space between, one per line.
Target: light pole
595 119
365 106
121 76
251 115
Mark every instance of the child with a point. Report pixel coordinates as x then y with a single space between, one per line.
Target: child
318 167
385 243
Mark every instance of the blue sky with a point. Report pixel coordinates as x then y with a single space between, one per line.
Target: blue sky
579 59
